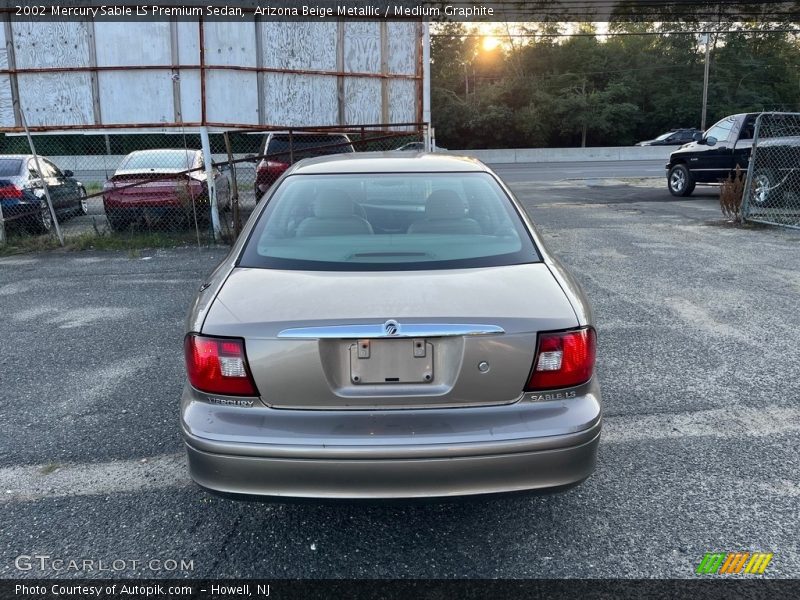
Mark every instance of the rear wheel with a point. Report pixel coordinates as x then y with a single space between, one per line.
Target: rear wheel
42 222
680 181
764 193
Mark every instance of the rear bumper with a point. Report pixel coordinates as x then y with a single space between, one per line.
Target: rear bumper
396 478
391 454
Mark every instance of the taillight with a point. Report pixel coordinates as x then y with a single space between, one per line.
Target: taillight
274 164
563 359
10 191
218 366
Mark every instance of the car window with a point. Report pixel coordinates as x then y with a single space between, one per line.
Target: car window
32 172
10 167
52 169
47 171
307 146
663 137
159 159
721 130
385 221
748 128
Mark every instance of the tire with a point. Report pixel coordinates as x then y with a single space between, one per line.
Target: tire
42 222
680 181
763 192
83 207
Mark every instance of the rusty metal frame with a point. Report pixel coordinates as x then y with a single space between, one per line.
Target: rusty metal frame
386 127
12 71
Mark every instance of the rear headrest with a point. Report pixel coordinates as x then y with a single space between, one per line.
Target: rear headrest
333 203
444 204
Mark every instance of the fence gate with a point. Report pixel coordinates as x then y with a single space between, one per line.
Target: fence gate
772 190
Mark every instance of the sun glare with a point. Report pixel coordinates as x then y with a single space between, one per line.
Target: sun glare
490 43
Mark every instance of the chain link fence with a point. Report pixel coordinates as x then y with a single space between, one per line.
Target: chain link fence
772 189
128 185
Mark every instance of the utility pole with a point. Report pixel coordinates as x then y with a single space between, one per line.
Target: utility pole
705 81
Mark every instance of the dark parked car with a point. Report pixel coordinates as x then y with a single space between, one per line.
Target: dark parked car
280 155
713 155
22 192
420 147
676 137
164 191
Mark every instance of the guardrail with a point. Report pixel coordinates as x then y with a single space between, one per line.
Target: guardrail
553 155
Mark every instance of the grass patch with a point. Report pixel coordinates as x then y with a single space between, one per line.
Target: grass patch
49 468
731 193
133 242
93 187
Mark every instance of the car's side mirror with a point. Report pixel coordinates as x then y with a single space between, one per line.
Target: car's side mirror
697 137
68 173
711 141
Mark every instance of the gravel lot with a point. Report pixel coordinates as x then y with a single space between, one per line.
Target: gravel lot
699 358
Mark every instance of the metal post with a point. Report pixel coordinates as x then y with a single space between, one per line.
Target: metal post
2 227
748 180
426 79
705 81
211 186
237 224
24 123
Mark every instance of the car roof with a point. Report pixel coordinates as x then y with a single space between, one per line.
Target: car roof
399 161
151 150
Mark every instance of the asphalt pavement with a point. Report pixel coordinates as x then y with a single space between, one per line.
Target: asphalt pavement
699 355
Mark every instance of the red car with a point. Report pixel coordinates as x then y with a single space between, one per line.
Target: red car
304 144
164 189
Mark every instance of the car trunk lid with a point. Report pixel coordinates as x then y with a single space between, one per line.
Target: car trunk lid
462 337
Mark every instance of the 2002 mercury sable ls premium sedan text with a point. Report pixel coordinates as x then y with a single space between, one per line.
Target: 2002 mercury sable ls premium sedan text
390 326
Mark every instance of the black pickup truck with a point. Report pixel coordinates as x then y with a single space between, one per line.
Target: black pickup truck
714 155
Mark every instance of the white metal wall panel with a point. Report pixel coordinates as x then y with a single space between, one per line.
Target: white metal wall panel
6 100
230 43
63 97
362 47
301 99
40 44
402 101
299 45
136 97
232 97
362 100
189 54
188 42
146 96
133 43
191 109
150 96
402 38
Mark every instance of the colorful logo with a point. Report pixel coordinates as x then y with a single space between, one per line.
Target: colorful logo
721 563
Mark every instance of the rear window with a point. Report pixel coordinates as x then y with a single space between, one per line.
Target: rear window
10 166
159 159
384 221
308 146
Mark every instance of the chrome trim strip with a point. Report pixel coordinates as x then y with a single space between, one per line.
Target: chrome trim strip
404 330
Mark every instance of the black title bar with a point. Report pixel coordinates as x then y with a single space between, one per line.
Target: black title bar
427 10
